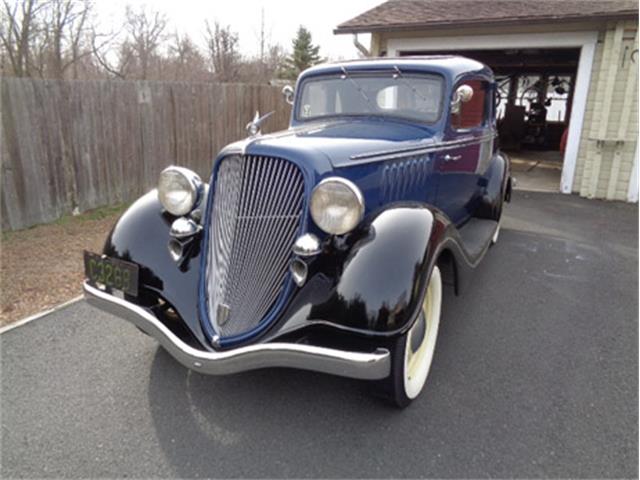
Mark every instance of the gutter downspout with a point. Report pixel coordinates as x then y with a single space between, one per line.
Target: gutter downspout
361 48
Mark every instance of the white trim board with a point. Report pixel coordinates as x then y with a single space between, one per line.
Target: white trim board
632 192
586 41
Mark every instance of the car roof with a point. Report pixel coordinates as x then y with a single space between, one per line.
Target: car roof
448 65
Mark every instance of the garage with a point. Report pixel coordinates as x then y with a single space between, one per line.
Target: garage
567 77
535 93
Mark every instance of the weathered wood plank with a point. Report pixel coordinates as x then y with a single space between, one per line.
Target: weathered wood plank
69 145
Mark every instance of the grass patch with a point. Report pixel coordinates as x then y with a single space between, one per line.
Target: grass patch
67 220
95 214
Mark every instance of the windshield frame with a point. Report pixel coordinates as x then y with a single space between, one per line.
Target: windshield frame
354 76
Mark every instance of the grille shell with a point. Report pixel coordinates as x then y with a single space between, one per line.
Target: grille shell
254 220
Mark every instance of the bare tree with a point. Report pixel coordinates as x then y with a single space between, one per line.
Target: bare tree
65 27
18 25
258 71
134 50
222 47
185 62
275 60
44 37
78 34
62 39
105 44
145 30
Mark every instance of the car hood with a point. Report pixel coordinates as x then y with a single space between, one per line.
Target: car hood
339 141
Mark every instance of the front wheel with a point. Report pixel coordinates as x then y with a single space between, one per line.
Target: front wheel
414 350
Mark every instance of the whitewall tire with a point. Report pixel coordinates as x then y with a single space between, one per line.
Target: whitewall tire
414 350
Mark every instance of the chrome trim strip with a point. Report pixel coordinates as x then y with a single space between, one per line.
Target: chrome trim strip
418 149
416 146
368 366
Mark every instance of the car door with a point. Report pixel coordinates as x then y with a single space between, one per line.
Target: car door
465 154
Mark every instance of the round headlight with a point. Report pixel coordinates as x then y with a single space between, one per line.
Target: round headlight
337 205
178 190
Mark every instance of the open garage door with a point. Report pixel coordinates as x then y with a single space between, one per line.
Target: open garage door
535 88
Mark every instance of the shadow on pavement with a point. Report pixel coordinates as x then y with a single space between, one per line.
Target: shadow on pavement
285 413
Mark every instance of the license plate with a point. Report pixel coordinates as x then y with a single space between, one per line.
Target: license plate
112 273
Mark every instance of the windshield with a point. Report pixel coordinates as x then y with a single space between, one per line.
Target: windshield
414 97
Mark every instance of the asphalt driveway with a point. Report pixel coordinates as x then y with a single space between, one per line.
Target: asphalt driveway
535 375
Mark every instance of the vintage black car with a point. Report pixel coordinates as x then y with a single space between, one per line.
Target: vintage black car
325 246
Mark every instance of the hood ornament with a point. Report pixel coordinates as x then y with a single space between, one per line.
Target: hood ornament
253 127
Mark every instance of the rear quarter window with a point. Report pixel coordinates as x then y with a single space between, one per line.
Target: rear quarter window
474 112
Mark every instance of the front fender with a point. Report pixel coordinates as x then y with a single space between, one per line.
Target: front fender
371 284
141 235
495 188
375 284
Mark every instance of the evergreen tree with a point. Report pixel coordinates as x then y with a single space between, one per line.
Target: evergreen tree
305 54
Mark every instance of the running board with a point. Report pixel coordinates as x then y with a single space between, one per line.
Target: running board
476 236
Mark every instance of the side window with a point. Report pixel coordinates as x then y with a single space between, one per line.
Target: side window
472 113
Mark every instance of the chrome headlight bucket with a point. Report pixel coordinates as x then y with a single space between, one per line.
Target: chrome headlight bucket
337 205
178 190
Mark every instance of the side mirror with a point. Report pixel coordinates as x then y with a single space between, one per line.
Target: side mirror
463 94
287 93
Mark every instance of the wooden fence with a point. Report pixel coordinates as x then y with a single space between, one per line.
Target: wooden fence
78 145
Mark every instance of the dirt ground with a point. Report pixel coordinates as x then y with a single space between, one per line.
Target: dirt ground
41 267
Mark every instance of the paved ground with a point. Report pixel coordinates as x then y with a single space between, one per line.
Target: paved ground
537 171
535 375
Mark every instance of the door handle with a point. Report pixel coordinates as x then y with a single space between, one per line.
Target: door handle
452 158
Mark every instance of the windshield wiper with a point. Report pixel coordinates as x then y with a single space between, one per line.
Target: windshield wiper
399 75
358 87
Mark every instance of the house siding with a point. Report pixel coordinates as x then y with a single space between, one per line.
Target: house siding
608 141
610 130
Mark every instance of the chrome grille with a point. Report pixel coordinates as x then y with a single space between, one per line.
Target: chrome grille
257 209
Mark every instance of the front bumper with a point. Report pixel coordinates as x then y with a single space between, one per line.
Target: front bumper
368 366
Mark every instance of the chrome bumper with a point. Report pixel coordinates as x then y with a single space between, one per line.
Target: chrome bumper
369 366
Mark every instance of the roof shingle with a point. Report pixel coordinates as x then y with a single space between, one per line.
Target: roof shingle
403 14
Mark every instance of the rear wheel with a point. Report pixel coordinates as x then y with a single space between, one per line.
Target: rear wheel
413 352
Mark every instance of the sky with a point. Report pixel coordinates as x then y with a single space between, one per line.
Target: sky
281 20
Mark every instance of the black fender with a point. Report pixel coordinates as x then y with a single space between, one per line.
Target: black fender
141 235
374 284
370 282
496 188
